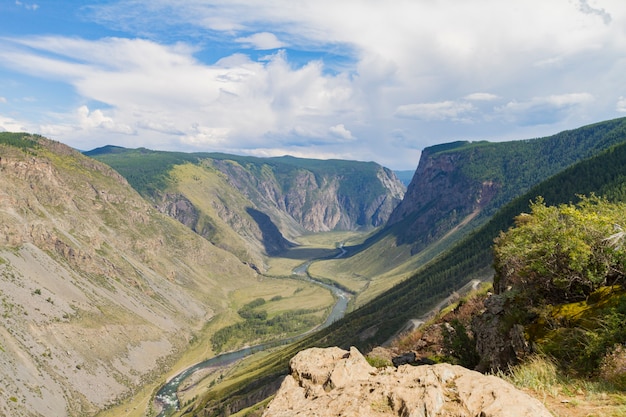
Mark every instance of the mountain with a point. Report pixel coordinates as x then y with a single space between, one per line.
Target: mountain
470 257
109 276
457 187
99 291
268 202
460 181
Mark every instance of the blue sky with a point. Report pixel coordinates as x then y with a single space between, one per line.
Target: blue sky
366 80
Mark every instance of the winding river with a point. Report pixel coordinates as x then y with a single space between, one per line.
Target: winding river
166 396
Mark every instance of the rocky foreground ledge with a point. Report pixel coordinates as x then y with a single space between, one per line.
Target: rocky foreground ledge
335 382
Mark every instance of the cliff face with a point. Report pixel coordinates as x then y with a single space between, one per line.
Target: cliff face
267 202
319 199
460 181
439 198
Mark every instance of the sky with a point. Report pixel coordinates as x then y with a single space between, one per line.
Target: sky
365 80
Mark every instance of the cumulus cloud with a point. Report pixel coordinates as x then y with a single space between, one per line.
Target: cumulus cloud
621 104
261 41
362 65
443 110
96 119
8 124
341 132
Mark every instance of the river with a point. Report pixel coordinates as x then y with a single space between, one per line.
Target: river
166 396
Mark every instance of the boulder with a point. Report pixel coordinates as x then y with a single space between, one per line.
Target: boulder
335 382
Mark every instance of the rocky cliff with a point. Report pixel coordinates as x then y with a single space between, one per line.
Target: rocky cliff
334 382
267 202
318 197
440 197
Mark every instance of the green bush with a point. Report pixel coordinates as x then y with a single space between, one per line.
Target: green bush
460 345
564 253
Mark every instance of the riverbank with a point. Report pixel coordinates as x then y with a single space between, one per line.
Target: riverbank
167 398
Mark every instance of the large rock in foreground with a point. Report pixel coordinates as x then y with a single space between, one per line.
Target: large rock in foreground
335 382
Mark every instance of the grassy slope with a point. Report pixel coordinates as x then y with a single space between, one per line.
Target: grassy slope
106 265
208 190
86 258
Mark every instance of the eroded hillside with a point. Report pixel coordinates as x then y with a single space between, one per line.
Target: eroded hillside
99 290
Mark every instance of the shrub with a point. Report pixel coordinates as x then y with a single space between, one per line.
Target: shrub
563 253
377 362
460 344
613 367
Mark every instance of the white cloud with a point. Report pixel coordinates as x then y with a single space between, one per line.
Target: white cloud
8 124
96 119
544 110
621 104
443 110
341 132
587 9
3 99
481 97
27 6
262 41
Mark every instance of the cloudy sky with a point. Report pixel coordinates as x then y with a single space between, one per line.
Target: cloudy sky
369 80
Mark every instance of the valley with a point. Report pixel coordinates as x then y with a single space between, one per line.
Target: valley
122 268
285 270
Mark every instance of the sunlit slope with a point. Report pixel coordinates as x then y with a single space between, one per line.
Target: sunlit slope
203 199
458 187
99 290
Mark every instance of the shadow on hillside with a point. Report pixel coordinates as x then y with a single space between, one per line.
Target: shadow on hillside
273 241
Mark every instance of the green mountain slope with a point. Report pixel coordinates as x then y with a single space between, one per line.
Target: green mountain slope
458 187
375 322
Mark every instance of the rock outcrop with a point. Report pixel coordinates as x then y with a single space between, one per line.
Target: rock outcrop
499 342
335 382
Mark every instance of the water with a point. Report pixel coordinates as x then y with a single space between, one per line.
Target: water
166 396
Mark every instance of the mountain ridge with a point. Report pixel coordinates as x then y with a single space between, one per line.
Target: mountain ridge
457 187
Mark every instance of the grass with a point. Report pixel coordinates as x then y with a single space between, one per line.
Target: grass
379 267
294 295
563 395
312 246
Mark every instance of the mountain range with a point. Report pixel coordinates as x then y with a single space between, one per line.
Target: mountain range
116 262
